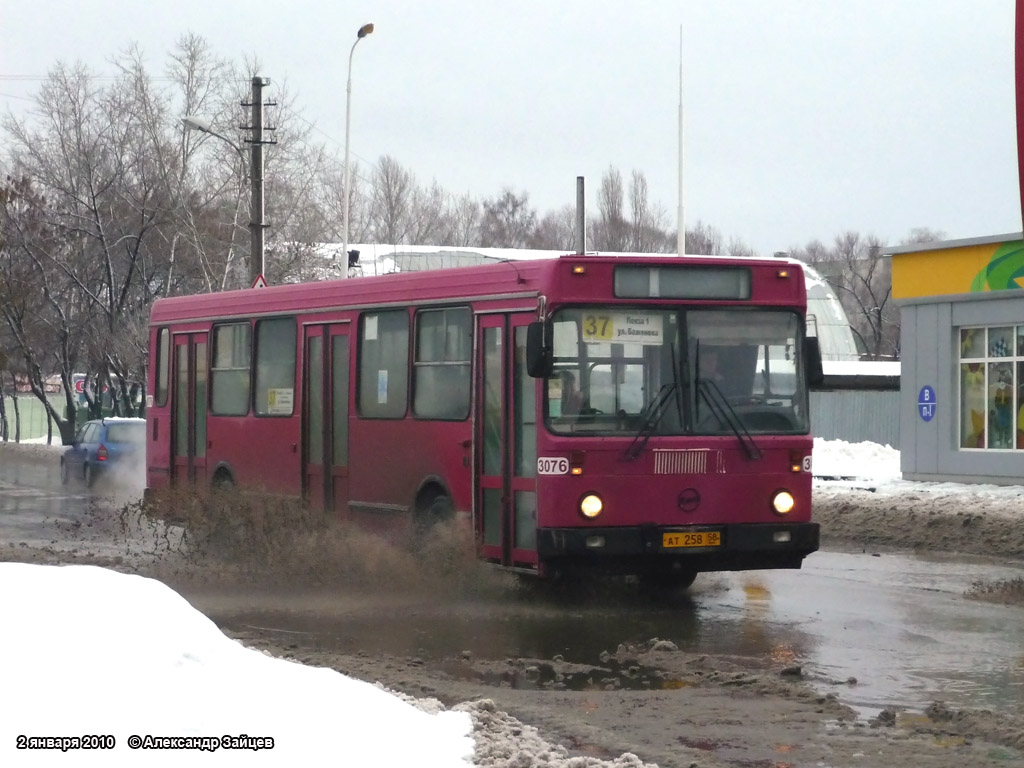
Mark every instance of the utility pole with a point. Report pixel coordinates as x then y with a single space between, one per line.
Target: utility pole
257 224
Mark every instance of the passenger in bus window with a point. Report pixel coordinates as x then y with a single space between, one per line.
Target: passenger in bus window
572 398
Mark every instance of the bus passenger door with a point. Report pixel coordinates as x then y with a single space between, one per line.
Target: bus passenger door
506 432
188 411
325 415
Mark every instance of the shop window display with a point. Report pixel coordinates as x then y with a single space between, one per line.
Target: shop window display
992 388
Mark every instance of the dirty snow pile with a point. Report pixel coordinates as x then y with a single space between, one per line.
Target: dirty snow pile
107 669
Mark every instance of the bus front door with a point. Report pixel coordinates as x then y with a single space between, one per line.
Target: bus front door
188 408
325 415
506 433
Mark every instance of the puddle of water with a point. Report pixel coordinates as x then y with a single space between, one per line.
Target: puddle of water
902 628
898 626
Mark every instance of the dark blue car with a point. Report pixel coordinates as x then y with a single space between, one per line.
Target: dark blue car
114 448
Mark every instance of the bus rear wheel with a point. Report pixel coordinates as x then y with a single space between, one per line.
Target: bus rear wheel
431 511
427 536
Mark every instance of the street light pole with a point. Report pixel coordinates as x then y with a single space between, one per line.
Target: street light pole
363 32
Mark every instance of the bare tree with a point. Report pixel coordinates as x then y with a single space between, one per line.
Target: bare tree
46 321
610 231
703 239
739 248
391 200
92 154
427 219
648 221
923 235
556 231
114 168
862 280
464 215
508 221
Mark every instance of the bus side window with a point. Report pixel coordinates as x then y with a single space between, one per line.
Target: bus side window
230 371
163 366
383 364
275 367
441 370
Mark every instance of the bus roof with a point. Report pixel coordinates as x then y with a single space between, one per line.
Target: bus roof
507 278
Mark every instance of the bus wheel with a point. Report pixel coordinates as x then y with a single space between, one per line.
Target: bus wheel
222 481
665 580
432 510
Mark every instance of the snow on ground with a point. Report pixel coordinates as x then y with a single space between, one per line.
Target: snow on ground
864 461
88 651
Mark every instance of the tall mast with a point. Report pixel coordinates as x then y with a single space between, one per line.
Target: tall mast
681 222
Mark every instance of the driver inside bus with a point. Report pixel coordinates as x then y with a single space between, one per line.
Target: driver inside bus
711 368
572 398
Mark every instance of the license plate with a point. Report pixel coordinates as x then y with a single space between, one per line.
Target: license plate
694 539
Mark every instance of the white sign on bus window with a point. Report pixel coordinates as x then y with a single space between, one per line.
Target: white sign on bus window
619 327
280 400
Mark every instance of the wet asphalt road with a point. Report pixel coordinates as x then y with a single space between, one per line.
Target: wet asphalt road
896 622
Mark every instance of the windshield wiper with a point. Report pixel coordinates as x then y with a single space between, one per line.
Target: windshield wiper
722 411
655 411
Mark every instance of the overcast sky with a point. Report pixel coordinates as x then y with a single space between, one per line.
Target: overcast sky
803 118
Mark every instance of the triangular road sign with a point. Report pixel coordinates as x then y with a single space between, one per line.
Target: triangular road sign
259 282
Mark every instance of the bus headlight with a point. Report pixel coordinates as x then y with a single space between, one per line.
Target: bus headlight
591 506
783 502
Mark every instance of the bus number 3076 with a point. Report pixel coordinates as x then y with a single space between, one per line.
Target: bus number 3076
552 466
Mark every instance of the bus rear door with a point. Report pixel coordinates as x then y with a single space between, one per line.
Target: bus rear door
325 414
506 504
188 411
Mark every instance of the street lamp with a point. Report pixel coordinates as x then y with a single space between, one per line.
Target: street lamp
363 32
193 123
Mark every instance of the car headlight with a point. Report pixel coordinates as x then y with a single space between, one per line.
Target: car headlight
591 506
783 502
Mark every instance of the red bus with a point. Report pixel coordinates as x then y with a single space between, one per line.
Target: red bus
643 415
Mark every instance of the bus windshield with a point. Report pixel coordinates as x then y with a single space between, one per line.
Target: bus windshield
673 372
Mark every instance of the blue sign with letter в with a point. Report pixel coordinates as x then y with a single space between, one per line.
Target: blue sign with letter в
926 403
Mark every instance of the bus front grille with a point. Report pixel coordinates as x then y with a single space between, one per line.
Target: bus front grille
687 461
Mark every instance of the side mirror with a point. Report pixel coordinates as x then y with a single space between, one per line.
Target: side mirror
814 373
538 353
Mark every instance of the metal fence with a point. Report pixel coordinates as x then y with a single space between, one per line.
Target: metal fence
857 415
32 417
